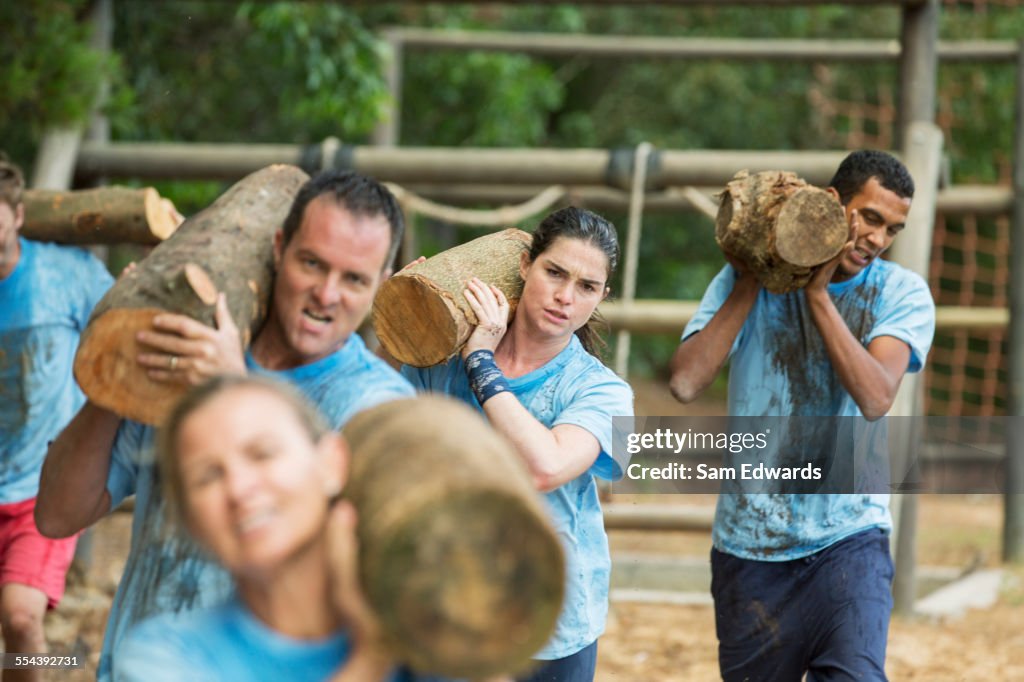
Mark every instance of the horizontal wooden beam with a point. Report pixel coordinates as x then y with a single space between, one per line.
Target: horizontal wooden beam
958 199
661 47
188 161
651 316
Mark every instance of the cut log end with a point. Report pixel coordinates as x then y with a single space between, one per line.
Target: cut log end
105 365
161 215
467 612
428 332
811 228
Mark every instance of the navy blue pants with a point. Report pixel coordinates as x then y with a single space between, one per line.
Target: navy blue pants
579 667
826 614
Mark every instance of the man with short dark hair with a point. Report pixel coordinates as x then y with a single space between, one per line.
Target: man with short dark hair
801 582
47 293
334 250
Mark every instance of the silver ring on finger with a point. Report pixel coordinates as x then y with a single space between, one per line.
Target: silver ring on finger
174 362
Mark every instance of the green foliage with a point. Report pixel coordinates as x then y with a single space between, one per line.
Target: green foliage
273 72
50 74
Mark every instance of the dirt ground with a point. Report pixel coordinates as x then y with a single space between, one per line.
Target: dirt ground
668 643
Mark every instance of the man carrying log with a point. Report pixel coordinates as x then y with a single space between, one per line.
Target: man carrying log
801 582
333 251
46 295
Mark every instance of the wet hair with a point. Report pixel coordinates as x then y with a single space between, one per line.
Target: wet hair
578 223
860 166
169 435
360 194
12 183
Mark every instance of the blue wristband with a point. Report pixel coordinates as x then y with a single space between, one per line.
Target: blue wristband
485 379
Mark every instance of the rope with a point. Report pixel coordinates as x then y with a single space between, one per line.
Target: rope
637 195
502 216
328 150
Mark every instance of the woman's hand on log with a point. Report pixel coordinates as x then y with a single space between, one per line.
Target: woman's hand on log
491 308
826 271
189 352
347 596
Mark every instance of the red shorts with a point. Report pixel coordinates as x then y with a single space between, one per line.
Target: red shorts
28 558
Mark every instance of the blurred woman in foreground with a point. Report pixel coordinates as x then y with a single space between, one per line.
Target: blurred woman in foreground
250 471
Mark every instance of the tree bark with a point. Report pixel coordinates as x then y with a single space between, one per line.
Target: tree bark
779 227
227 247
456 554
107 215
421 316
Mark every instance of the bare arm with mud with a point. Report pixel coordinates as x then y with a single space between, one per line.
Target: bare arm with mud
73 487
870 375
699 359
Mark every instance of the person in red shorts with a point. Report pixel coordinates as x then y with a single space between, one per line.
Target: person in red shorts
46 295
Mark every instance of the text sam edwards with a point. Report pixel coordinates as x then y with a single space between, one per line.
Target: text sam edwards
703 472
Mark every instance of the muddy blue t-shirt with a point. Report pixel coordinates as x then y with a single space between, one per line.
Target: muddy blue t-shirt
573 388
779 367
44 305
165 571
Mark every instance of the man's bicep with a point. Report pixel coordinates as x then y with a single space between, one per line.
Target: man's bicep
892 354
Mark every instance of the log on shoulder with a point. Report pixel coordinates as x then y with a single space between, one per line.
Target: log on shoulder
457 557
106 215
421 316
226 247
779 227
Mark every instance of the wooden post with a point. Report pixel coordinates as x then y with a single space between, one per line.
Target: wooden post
918 65
387 132
923 153
1013 508
918 75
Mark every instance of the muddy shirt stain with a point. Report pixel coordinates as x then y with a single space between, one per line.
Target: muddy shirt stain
44 304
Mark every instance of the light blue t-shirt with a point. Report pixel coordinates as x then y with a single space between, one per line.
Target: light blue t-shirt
573 388
166 572
779 367
225 642
44 305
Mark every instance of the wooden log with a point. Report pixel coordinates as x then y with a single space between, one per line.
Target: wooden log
226 247
456 554
106 215
779 227
421 316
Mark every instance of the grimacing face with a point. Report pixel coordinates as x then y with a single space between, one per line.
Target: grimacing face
254 485
327 276
881 215
562 287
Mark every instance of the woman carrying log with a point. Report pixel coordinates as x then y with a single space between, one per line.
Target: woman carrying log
249 470
540 384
